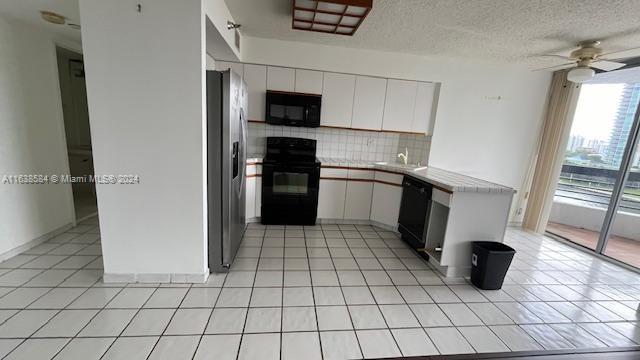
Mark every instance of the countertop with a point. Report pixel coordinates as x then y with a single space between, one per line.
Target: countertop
438 177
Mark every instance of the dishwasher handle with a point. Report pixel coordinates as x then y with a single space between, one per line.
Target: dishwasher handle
421 189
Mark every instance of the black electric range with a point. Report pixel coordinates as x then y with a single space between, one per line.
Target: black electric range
290 182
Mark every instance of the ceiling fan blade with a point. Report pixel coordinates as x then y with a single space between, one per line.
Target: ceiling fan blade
607 65
556 56
557 67
608 55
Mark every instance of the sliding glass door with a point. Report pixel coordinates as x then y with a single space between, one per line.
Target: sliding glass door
597 200
623 240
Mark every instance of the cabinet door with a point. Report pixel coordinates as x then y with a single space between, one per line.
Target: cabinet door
331 199
385 204
250 209
422 119
337 99
357 204
238 68
280 78
368 103
308 81
399 105
256 78
258 197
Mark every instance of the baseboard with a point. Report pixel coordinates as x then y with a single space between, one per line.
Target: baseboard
35 242
155 278
343 221
86 217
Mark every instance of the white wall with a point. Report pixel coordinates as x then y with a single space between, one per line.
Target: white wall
488 117
145 86
220 39
31 136
210 62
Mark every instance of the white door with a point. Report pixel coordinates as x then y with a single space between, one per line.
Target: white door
308 81
399 105
337 99
368 103
238 68
357 205
331 199
385 205
280 78
256 78
422 115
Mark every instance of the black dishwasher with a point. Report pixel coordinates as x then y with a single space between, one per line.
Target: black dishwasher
414 208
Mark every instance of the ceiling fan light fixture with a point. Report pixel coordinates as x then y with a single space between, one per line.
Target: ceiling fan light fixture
580 74
341 17
52 17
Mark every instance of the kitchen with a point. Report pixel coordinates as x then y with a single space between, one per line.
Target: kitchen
372 138
346 238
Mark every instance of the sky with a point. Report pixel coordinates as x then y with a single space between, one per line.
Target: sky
596 110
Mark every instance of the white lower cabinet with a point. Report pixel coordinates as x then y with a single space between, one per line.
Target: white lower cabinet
331 199
385 204
258 202
358 200
250 208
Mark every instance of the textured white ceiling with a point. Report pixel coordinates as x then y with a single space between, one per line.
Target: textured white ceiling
493 30
28 11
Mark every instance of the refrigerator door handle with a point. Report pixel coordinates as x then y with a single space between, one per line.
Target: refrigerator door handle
243 148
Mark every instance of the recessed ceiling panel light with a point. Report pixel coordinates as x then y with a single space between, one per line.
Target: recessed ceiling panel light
326 15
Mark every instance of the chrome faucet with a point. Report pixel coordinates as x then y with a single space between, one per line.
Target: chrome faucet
404 156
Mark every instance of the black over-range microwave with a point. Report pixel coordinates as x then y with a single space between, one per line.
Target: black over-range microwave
293 109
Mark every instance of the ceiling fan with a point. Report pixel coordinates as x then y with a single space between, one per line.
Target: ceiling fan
585 59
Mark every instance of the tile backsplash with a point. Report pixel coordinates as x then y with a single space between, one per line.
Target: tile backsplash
346 144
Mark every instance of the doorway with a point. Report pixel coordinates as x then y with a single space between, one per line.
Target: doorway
77 130
597 199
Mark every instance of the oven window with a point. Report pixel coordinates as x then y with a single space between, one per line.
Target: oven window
286 112
290 183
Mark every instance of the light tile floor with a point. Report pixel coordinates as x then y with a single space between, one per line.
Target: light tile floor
323 292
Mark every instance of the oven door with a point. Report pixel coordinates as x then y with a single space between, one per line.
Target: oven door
290 193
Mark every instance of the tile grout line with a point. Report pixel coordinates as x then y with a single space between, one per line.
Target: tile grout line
403 298
51 289
168 323
355 332
249 301
128 323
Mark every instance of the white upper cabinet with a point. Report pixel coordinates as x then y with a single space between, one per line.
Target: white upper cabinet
256 78
399 105
308 81
368 103
238 68
422 115
280 78
337 99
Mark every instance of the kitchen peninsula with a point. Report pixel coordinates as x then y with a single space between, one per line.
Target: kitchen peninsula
465 208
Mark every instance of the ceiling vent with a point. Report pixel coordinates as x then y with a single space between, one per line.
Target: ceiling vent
341 17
